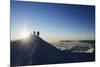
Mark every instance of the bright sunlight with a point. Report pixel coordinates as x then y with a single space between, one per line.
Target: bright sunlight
24 33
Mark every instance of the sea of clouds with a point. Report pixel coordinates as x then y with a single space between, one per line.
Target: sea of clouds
75 47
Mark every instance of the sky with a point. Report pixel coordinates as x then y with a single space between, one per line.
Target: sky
54 21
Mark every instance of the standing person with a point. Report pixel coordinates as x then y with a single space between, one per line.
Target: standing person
38 33
34 32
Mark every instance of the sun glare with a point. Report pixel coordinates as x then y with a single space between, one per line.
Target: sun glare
24 34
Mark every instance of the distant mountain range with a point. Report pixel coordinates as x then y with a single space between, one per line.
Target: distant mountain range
35 51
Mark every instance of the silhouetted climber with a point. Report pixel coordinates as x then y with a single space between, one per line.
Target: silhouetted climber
34 32
38 33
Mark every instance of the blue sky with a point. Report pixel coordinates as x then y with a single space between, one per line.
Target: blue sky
54 21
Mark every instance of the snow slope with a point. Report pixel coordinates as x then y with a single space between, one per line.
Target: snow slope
35 51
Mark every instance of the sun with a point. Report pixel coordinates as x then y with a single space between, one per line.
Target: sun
24 33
